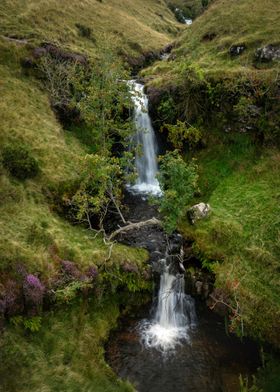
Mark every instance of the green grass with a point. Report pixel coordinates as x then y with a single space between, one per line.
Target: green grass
128 25
239 177
249 22
27 119
66 355
242 232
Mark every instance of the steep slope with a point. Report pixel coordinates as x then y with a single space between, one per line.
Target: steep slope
26 115
37 242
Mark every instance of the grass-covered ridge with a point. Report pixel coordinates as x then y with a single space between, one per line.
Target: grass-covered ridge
225 23
79 25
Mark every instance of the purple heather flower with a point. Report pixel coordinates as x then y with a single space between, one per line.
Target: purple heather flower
33 290
11 302
92 272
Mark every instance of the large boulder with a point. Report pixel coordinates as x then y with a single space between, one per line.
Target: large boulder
268 53
198 211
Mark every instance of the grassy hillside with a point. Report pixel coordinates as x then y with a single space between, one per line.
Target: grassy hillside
28 120
208 87
35 239
225 23
131 25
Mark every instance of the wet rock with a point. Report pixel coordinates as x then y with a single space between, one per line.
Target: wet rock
206 290
165 53
237 50
268 53
175 242
198 286
141 61
147 274
198 211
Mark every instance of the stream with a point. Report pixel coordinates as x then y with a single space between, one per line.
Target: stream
176 342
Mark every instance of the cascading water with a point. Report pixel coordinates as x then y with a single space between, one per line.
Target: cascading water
175 314
213 360
145 141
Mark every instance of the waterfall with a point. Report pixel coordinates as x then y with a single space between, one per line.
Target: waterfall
174 316
145 143
175 311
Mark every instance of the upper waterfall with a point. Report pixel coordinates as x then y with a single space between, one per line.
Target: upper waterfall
146 145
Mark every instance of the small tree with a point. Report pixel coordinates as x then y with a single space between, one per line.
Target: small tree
178 180
181 133
101 185
103 98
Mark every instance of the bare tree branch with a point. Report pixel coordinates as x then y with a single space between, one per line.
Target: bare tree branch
133 226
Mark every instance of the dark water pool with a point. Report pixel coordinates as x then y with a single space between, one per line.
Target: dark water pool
212 362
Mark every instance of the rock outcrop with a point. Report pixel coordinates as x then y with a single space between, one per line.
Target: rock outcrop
198 211
268 53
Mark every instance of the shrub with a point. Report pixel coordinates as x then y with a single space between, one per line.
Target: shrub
178 180
10 302
181 133
84 31
19 162
71 291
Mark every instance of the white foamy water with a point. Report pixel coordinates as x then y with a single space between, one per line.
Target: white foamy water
146 145
175 315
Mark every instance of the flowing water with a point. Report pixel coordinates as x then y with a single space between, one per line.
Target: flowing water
174 317
145 142
172 347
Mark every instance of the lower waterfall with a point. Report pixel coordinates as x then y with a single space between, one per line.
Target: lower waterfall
174 316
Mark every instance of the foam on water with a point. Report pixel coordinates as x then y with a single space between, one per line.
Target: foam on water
174 317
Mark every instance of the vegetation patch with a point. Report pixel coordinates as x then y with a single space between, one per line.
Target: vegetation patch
19 162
